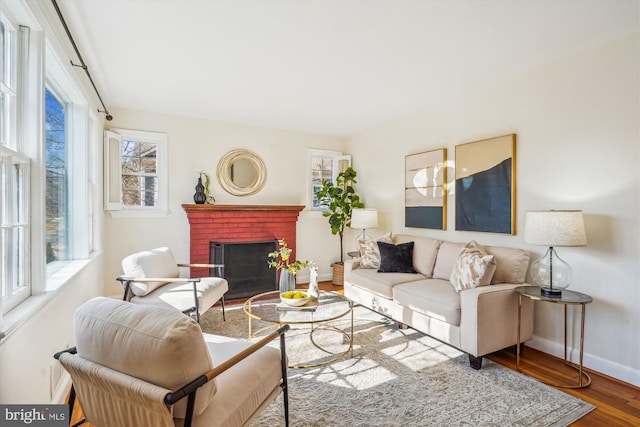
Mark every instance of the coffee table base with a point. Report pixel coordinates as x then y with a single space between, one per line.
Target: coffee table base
332 306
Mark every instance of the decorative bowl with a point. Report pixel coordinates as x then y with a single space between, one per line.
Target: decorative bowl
288 298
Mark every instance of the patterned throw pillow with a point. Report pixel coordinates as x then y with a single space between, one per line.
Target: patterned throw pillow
369 252
474 267
396 258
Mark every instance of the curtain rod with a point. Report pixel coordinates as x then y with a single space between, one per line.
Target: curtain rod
82 65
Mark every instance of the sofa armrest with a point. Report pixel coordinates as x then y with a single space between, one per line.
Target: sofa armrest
351 264
489 318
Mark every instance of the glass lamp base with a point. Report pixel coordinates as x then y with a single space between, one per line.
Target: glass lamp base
551 273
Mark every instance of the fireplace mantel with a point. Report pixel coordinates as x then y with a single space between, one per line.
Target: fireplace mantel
237 223
214 207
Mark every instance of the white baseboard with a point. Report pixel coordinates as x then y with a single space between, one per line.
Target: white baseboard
63 389
590 361
304 279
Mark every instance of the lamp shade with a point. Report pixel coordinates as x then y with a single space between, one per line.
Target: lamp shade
554 228
364 218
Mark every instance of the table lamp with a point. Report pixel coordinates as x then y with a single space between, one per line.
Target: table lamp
553 228
364 218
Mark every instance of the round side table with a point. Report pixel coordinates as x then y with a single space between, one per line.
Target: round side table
566 298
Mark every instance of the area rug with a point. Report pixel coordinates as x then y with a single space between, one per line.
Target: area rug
399 377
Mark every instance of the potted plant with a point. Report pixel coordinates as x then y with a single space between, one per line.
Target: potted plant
340 199
281 260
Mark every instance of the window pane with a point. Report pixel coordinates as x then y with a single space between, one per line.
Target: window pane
3 120
5 278
14 237
56 229
139 190
139 173
321 169
2 66
8 55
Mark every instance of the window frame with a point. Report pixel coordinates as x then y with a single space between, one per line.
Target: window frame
15 218
15 181
113 196
339 163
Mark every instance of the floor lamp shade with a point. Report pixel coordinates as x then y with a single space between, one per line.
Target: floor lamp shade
364 218
553 228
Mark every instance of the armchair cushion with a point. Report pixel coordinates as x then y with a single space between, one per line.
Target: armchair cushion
160 346
180 295
157 262
255 379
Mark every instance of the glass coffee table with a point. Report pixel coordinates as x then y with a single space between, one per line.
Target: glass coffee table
267 308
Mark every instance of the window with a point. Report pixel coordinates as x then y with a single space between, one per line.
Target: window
56 194
14 180
324 165
8 71
14 276
47 156
136 164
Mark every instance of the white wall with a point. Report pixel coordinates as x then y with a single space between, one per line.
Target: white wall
197 145
26 355
577 125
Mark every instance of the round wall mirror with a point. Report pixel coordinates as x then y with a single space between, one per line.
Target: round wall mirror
241 172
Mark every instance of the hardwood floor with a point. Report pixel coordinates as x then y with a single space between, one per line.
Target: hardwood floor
617 403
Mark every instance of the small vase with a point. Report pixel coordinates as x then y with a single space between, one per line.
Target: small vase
199 197
287 281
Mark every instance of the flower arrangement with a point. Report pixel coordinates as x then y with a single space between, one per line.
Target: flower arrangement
280 259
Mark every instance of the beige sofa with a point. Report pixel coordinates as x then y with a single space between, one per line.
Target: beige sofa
478 321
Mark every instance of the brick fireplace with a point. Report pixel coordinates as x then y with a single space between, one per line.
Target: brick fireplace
237 223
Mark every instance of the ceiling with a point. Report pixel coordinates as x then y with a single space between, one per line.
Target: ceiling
333 67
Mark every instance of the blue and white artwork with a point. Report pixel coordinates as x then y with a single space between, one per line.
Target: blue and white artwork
425 190
485 186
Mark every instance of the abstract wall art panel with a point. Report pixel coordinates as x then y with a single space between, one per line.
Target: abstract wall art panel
425 190
485 185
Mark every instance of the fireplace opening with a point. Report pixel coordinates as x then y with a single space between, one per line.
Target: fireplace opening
245 266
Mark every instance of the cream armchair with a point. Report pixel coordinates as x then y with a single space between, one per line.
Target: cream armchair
137 365
153 278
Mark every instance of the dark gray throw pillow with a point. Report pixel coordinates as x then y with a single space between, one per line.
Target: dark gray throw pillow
396 258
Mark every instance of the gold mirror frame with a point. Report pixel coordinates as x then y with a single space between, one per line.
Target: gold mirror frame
225 167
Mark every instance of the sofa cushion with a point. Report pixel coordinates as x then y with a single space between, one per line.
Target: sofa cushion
432 297
425 250
511 264
157 345
369 252
378 283
446 259
474 267
396 258
155 263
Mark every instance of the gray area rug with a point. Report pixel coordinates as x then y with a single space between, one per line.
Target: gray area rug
399 378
